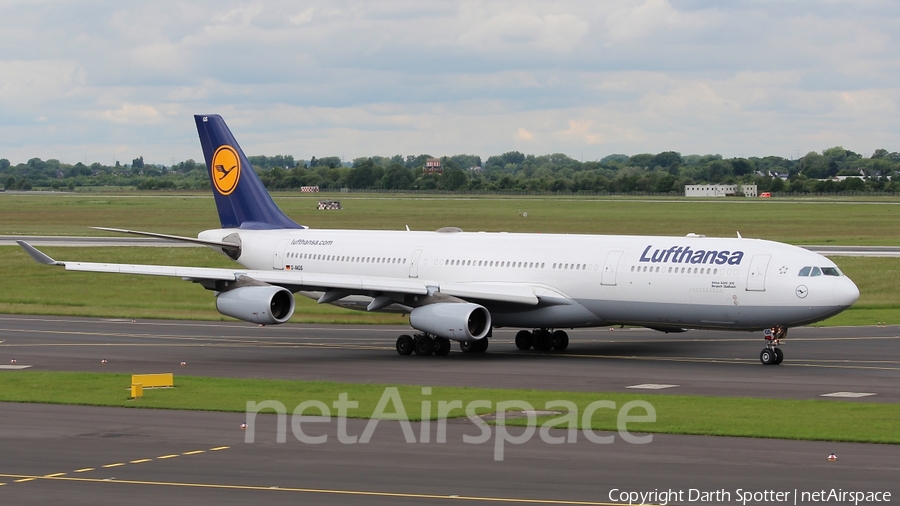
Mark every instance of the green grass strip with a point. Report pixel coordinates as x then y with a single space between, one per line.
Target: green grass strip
676 414
31 288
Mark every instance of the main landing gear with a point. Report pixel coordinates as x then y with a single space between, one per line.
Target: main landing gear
542 340
428 344
772 355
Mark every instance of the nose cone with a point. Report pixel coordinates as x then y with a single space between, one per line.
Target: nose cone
845 292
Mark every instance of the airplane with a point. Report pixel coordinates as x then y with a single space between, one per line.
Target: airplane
459 286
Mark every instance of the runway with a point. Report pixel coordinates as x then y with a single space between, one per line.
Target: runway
90 455
83 241
818 360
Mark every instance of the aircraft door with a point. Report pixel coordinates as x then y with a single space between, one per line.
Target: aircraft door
414 264
278 259
756 277
610 267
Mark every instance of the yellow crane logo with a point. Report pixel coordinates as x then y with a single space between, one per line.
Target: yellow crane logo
226 169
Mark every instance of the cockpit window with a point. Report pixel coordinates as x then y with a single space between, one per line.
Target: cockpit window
815 271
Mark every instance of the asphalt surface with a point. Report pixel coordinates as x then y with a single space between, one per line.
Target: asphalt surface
126 456
80 455
817 360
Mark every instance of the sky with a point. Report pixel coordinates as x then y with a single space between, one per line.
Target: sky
111 80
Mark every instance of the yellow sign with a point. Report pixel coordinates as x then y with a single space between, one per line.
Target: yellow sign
154 380
226 169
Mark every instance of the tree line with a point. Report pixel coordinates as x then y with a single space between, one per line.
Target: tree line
664 173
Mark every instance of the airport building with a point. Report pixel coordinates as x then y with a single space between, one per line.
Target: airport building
720 190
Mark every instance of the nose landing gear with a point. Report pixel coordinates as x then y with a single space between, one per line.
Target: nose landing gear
772 355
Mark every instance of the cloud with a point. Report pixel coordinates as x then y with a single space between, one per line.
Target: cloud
133 114
26 84
503 27
357 78
523 135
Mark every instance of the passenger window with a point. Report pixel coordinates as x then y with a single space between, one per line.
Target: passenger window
816 272
805 271
831 271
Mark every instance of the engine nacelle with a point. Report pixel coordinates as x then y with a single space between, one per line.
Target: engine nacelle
258 304
460 321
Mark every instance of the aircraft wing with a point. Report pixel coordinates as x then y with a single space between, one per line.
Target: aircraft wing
298 280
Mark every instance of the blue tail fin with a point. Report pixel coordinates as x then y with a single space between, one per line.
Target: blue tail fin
241 198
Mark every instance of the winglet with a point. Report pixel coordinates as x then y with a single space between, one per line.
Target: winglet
37 255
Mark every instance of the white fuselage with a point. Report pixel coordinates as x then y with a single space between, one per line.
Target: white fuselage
668 283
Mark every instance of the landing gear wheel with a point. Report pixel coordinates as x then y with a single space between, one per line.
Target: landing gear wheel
543 340
767 357
424 346
405 345
524 340
560 340
772 355
441 346
779 356
479 346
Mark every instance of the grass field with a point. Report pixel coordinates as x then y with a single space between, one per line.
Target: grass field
676 414
29 288
823 221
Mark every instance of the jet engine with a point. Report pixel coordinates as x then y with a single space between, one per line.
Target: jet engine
460 321
265 304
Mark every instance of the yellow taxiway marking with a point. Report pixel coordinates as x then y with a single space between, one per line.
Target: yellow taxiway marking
117 464
86 469
23 480
195 452
219 448
140 461
362 493
54 475
166 457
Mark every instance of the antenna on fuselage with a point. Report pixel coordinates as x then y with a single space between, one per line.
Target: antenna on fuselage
739 234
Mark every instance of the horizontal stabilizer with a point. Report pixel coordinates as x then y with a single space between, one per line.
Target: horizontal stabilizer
220 244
